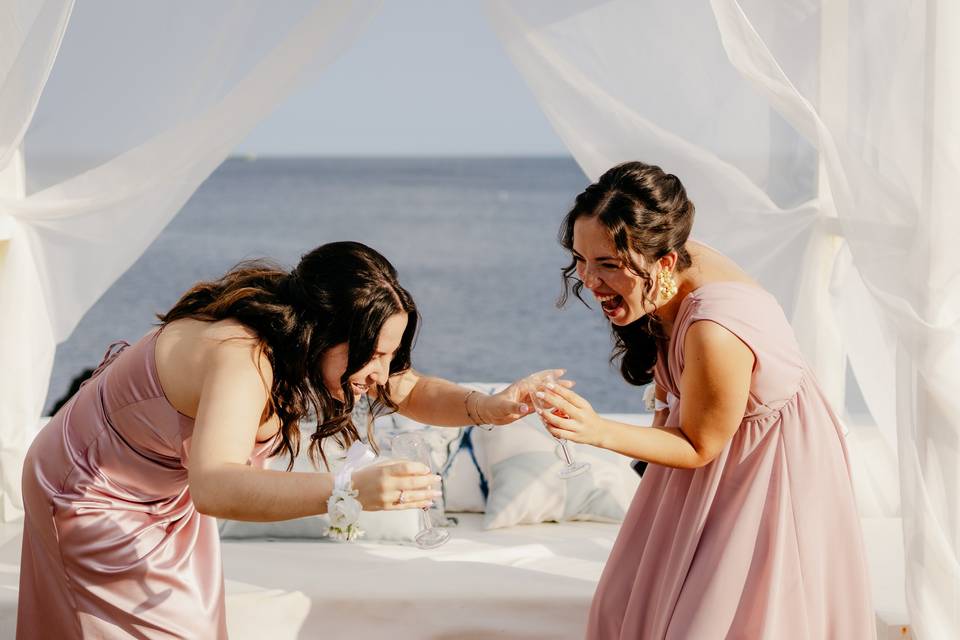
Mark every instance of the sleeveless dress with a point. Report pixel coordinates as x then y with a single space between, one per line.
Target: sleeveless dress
764 541
113 546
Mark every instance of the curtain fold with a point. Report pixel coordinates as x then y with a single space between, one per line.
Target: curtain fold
820 142
109 133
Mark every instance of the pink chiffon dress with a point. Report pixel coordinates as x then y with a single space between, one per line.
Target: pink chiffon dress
762 542
113 546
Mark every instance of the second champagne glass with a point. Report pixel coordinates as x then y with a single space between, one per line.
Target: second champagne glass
412 446
572 468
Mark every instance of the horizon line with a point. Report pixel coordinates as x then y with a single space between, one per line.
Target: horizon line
398 156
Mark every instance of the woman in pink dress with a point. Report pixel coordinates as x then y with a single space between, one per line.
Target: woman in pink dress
744 525
123 485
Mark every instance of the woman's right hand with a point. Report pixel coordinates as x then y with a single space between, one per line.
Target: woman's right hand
379 486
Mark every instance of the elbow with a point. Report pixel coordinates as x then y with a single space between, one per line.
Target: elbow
203 496
204 505
702 457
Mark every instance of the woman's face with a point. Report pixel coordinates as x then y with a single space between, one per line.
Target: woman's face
618 290
377 371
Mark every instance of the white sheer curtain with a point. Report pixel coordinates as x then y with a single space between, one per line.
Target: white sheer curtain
104 134
821 143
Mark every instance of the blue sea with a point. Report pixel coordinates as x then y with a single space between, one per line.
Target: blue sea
474 241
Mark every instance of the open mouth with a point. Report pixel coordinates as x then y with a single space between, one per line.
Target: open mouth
358 389
612 304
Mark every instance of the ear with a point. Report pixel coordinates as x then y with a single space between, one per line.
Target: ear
669 261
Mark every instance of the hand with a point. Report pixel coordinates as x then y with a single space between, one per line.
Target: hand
379 486
513 402
572 417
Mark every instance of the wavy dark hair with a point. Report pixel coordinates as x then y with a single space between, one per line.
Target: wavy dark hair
341 292
647 210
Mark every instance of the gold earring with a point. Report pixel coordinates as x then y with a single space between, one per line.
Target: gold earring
668 286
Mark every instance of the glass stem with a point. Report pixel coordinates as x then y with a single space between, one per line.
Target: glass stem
566 452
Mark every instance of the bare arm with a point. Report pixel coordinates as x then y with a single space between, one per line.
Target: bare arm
714 386
232 400
442 403
431 400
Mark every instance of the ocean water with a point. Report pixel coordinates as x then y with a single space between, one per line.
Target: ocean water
474 241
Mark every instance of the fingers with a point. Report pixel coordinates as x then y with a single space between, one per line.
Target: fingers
558 377
553 420
408 505
414 483
521 408
513 410
517 411
407 468
562 434
568 395
412 500
555 400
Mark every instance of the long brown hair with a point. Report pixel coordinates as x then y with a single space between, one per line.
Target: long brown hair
341 292
647 210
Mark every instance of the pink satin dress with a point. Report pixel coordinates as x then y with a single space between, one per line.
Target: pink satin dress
113 546
764 542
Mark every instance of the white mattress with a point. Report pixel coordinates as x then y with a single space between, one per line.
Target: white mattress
525 582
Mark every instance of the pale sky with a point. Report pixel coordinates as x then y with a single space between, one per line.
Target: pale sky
428 77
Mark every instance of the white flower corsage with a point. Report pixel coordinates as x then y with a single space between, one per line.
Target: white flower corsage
343 508
650 397
650 400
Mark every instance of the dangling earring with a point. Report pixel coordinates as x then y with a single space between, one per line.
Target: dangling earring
668 286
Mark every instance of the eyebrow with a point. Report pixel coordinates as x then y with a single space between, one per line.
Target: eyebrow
599 259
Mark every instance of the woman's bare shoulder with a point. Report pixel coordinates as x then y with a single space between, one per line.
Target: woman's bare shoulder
213 344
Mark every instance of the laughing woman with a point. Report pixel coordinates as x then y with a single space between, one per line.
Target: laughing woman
122 487
744 525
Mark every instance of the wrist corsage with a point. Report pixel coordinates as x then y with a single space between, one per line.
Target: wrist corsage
343 507
344 510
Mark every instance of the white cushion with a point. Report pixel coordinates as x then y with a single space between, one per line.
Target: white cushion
520 465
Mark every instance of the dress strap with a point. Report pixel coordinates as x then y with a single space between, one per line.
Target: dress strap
114 350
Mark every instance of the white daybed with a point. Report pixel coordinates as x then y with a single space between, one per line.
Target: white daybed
526 582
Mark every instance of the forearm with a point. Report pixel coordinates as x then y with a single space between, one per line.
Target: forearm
667 446
241 492
441 403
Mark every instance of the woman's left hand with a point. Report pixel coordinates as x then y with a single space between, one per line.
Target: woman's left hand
572 417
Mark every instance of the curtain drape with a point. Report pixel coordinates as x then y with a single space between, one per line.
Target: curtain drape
820 142
104 134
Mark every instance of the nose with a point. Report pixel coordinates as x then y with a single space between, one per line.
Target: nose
590 279
381 371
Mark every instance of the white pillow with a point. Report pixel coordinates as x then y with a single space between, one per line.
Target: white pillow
520 465
464 489
378 526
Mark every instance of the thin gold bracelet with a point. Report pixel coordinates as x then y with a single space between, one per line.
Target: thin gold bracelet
479 421
466 406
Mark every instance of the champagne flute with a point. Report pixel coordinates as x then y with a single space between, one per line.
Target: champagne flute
571 468
412 446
